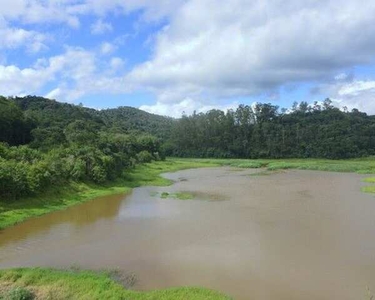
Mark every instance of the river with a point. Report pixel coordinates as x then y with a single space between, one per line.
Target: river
288 235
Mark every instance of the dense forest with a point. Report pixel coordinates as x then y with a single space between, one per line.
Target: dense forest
263 131
46 143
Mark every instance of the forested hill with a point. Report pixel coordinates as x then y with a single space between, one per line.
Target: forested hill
47 144
53 116
127 118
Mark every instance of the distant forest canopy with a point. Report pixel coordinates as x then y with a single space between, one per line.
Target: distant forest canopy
46 143
264 131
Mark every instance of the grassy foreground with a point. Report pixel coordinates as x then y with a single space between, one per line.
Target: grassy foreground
13 212
86 285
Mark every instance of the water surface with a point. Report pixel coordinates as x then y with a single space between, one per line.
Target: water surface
289 235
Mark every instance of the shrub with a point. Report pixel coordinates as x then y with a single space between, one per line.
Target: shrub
19 293
144 156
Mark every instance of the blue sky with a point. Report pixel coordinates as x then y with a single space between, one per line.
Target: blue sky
174 56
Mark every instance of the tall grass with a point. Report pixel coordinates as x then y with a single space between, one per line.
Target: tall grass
88 285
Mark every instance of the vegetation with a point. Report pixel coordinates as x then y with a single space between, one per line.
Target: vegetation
61 197
65 143
179 195
53 155
357 165
18 293
263 131
82 285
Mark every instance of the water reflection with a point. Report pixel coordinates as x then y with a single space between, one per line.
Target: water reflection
74 217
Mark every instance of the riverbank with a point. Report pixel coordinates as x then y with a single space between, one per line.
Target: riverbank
13 212
44 284
358 165
74 193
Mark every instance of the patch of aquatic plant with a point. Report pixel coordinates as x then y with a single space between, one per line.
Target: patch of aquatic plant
369 180
265 173
178 195
369 189
80 285
249 165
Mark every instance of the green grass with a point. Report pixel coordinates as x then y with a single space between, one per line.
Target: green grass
361 165
369 189
369 180
88 285
179 195
13 212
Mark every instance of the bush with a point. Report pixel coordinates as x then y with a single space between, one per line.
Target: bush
19 293
144 156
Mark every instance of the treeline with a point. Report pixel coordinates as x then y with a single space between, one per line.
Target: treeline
45 143
263 131
48 144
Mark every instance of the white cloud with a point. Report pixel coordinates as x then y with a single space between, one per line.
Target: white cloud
107 48
100 27
117 63
69 11
208 50
187 106
349 92
73 74
241 48
11 38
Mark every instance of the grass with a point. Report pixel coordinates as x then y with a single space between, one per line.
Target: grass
88 285
370 188
359 165
369 180
179 195
13 212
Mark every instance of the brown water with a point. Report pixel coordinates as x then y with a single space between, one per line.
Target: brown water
291 235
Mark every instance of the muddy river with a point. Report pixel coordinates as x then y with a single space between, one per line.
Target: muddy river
289 235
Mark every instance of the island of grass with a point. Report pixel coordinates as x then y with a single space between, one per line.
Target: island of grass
179 196
43 284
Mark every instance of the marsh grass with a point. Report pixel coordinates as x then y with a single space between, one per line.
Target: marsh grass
84 285
359 165
370 188
178 195
265 173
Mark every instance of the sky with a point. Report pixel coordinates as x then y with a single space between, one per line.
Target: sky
174 56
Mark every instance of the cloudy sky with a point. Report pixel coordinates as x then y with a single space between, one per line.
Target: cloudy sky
170 56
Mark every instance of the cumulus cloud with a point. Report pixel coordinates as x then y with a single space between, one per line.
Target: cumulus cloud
12 38
69 11
186 106
100 27
208 50
75 73
107 48
240 47
347 91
